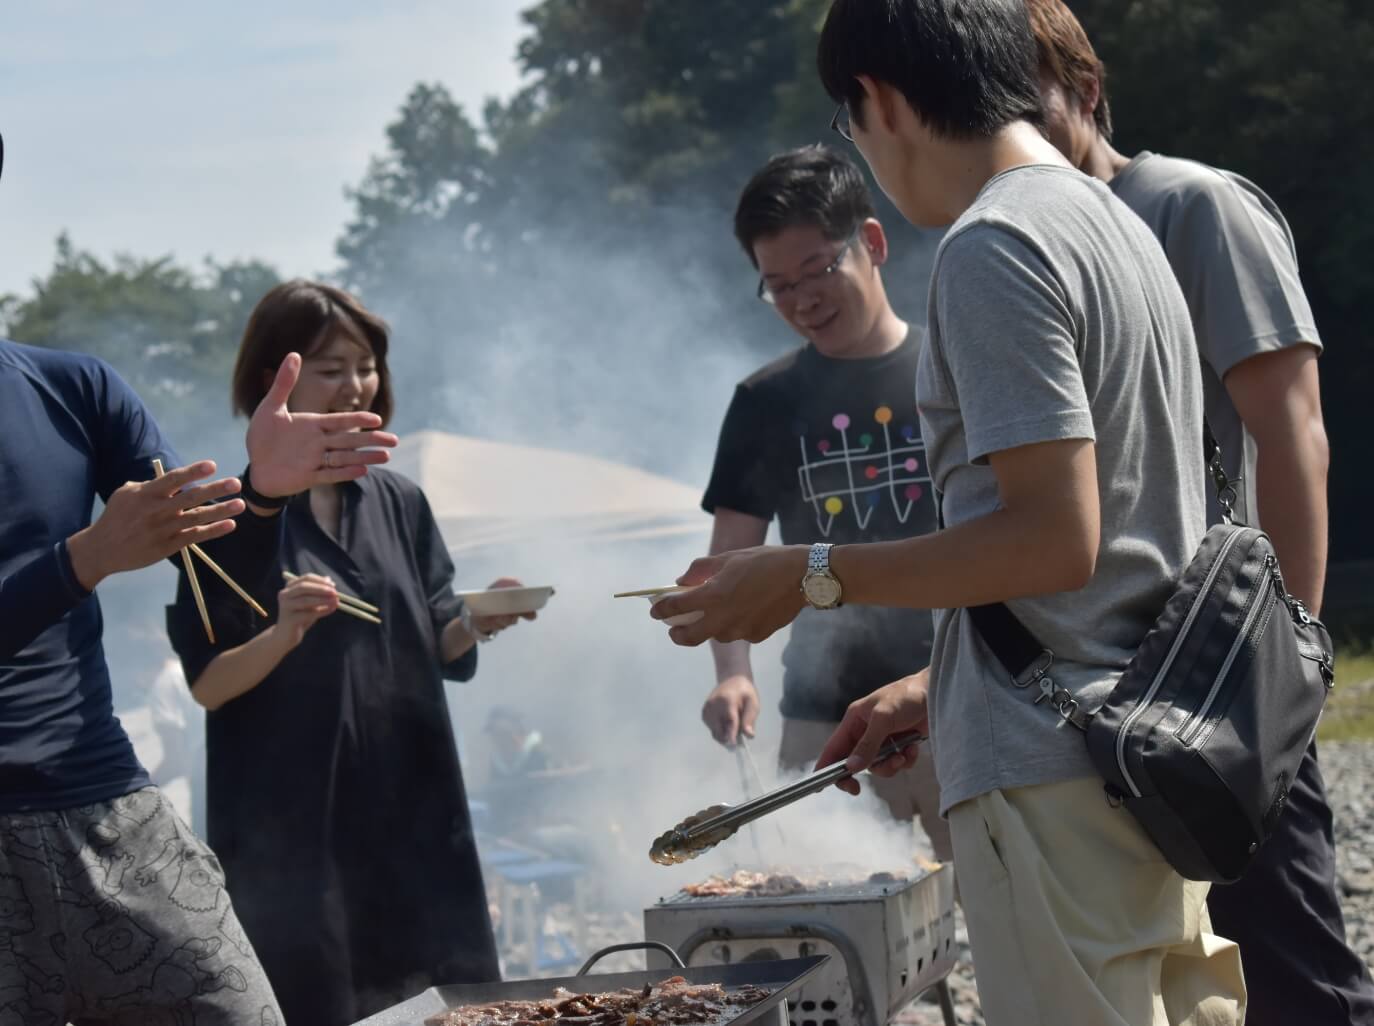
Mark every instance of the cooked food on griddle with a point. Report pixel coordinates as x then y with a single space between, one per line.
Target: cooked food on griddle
745 883
673 1002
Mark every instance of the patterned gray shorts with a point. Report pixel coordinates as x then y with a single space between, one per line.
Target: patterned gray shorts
117 913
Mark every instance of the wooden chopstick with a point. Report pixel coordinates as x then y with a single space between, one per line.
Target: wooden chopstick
348 604
646 592
199 552
357 603
191 575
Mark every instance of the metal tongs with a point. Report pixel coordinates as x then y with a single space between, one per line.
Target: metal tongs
703 831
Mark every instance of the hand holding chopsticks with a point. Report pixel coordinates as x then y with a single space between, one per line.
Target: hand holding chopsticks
347 603
144 522
195 549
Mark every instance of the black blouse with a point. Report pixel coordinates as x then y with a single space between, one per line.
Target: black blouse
335 798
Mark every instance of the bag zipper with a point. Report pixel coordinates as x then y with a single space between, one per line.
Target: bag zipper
1164 667
1259 602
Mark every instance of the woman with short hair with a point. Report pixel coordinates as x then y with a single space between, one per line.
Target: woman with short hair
336 802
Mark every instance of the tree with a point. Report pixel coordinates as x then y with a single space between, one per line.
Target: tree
596 203
1275 91
580 237
170 332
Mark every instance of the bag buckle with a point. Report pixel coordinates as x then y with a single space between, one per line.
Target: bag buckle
1063 702
1036 671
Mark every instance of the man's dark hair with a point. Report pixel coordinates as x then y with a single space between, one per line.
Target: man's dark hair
966 67
813 185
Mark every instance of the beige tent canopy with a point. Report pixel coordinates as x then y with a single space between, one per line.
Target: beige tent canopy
487 493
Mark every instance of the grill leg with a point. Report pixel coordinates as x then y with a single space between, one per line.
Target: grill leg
946 1002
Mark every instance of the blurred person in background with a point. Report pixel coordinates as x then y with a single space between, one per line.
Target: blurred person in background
336 798
111 909
516 751
826 441
1233 254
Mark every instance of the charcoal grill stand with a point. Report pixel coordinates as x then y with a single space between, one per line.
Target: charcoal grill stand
858 976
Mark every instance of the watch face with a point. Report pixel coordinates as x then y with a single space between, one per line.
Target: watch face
822 591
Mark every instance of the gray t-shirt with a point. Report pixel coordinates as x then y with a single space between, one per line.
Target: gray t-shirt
1233 255
1054 315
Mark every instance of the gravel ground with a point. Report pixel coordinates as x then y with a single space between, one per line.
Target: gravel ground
1348 769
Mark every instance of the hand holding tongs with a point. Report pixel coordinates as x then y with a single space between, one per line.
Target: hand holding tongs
706 829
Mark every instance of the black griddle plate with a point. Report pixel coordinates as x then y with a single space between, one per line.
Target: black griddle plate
779 977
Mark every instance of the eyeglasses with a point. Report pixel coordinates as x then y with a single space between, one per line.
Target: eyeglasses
775 294
840 122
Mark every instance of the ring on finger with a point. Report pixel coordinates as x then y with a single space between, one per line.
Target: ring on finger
329 458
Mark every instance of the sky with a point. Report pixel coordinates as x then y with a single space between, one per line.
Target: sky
225 130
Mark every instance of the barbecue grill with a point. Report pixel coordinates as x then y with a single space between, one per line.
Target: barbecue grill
779 977
891 941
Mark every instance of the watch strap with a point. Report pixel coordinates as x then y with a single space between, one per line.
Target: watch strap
818 560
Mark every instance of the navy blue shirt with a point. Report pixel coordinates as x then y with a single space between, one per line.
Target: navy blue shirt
70 429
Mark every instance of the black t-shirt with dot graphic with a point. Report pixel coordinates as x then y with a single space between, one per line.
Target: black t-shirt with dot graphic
832 450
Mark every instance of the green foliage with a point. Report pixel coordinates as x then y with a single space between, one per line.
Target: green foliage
621 158
170 332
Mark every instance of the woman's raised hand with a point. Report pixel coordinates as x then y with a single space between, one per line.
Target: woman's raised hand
290 452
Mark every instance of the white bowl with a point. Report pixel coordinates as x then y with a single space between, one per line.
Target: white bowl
505 601
682 619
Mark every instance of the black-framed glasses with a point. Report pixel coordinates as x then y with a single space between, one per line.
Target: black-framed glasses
840 122
775 294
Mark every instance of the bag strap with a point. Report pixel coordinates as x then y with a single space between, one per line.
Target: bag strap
1025 659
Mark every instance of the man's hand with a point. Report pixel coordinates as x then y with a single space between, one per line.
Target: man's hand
898 708
731 709
144 522
290 452
746 595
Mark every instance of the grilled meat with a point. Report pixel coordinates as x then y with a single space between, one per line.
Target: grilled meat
744 883
673 1002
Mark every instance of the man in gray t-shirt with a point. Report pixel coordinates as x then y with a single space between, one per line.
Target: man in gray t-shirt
1088 340
1061 405
1233 254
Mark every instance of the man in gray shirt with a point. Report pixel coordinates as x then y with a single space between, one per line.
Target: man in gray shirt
1233 254
1061 404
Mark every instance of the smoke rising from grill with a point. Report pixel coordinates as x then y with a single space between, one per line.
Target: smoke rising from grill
627 353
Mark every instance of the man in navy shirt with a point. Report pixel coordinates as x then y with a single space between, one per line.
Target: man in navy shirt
111 909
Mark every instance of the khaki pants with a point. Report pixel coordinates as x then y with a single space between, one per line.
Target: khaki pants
1076 920
912 795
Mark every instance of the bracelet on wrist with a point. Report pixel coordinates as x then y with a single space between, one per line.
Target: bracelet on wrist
465 618
254 497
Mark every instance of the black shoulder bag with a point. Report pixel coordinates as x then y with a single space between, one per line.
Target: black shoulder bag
1204 732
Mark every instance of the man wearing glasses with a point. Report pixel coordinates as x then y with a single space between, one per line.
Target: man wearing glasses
825 440
1061 403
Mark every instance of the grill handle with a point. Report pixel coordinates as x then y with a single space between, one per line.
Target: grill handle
633 946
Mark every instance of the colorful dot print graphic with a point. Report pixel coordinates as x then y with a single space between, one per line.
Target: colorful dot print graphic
840 475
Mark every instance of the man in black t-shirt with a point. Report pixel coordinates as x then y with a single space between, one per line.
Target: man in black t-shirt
827 441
